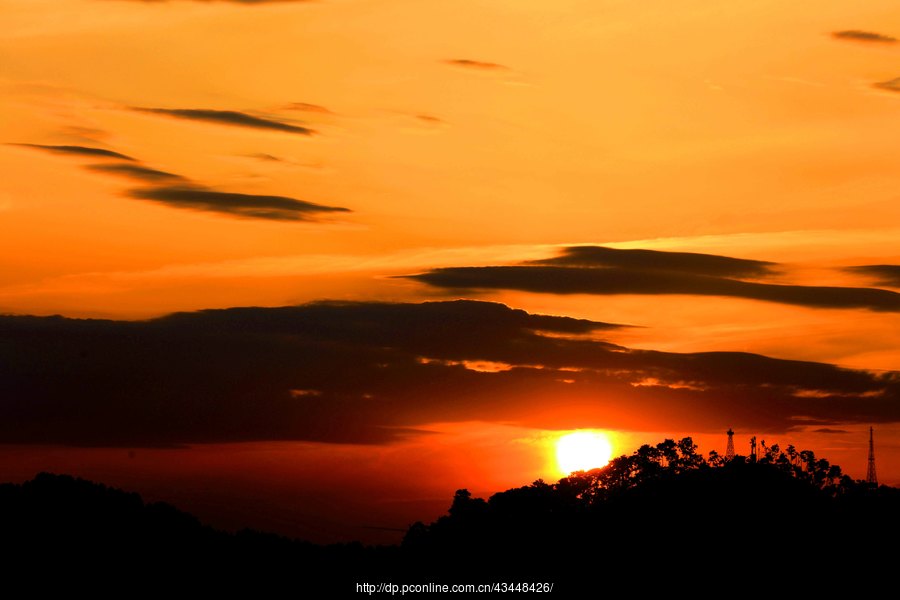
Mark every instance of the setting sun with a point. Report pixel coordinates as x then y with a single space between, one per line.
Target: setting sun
582 450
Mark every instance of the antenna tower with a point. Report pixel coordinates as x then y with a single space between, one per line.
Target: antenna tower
871 478
729 449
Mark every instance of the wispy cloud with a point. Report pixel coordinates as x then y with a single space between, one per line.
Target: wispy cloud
892 85
475 64
138 172
177 191
81 133
280 208
267 157
864 36
883 274
227 117
78 151
307 107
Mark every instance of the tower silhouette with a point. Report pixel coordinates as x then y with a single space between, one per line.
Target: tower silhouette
729 449
871 478
753 449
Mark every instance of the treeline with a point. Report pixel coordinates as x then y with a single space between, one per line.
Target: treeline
672 499
670 458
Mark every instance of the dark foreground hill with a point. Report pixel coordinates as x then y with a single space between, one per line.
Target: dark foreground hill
752 523
662 519
59 527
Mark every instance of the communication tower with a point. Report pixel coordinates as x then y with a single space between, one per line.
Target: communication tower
729 449
871 478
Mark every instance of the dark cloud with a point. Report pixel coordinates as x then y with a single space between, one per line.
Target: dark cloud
827 430
227 117
883 274
279 208
892 85
475 64
574 280
599 270
687 262
78 151
864 36
136 172
374 372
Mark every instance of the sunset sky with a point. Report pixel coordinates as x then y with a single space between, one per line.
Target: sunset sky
343 257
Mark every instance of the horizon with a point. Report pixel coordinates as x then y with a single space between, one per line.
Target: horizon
799 465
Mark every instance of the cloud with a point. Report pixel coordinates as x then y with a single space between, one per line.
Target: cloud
863 36
227 117
179 192
573 280
279 208
475 64
883 274
687 262
266 157
78 151
136 172
375 372
602 271
892 85
79 132
828 430
307 107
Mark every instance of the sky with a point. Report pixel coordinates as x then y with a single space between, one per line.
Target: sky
314 265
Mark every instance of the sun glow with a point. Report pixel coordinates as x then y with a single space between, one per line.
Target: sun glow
582 450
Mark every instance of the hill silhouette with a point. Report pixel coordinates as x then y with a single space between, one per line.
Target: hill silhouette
683 520
663 518
62 526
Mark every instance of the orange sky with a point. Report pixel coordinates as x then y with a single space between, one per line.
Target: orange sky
463 134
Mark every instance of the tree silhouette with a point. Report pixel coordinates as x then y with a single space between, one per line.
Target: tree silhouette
792 454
